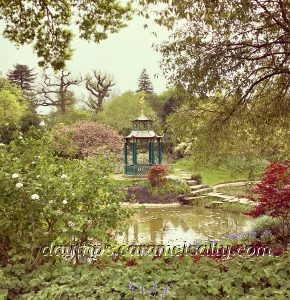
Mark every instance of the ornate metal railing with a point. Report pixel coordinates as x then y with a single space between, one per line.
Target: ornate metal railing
137 170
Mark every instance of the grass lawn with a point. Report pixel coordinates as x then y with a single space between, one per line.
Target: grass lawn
235 190
184 168
125 181
236 207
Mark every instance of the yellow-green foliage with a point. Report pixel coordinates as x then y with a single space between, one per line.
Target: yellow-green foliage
121 110
10 109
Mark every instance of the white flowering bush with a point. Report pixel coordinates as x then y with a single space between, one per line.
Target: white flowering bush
183 149
41 196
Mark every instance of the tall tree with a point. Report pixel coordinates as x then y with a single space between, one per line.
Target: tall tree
100 86
22 76
10 109
237 46
119 112
144 83
56 91
47 24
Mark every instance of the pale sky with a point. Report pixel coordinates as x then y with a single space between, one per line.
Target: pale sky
123 55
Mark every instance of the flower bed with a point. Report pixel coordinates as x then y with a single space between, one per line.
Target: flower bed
163 278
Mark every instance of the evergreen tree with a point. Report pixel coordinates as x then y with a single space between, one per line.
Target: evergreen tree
22 76
144 83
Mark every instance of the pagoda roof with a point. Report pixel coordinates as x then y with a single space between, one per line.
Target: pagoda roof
143 134
142 118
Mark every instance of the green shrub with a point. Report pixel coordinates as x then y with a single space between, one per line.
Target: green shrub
71 116
182 150
266 223
28 120
45 199
197 177
172 186
8 133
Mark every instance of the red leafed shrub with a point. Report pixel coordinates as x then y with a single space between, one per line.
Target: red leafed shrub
157 175
86 139
131 263
278 250
273 193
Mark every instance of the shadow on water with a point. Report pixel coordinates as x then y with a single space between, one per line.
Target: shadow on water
175 225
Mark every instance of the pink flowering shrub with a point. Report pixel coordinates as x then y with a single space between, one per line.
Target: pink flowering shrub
86 139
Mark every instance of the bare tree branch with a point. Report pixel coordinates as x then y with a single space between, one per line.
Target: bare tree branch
56 91
100 87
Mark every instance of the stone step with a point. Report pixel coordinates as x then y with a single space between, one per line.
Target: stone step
188 200
220 195
199 192
191 182
188 196
245 201
233 200
198 187
192 198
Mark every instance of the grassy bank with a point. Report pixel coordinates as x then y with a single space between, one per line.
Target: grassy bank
184 168
244 190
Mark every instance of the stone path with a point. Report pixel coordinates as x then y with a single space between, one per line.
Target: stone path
197 191
201 190
227 198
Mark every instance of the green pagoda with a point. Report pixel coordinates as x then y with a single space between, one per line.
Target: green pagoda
142 132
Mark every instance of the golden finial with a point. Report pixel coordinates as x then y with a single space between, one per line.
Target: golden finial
142 102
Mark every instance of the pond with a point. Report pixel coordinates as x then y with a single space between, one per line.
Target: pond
176 225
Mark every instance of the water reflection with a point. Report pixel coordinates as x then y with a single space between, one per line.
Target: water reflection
174 225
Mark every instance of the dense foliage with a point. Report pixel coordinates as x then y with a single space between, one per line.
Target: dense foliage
240 47
71 116
266 223
171 186
168 278
244 143
46 199
47 25
121 110
197 177
15 112
10 109
273 193
83 139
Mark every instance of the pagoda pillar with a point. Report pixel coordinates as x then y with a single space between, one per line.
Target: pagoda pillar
135 153
152 154
159 152
126 153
